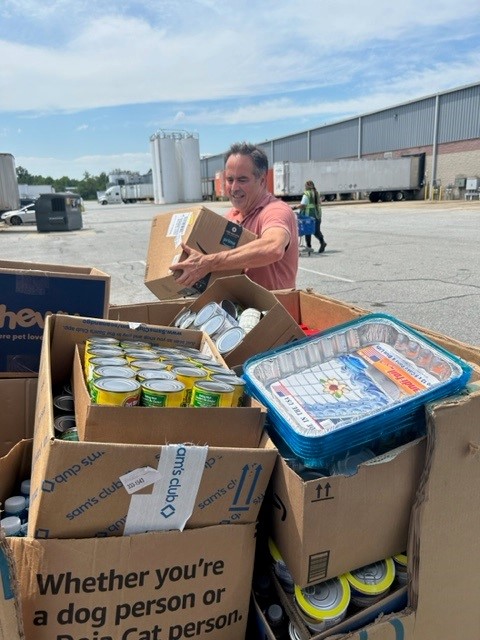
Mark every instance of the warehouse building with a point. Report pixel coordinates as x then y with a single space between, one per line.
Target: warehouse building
444 126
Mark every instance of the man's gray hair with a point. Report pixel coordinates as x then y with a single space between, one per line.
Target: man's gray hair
258 156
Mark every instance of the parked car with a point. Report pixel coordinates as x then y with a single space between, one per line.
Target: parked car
25 215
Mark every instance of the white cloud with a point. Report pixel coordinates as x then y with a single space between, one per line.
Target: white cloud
196 50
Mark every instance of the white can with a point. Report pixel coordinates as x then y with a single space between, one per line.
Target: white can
249 318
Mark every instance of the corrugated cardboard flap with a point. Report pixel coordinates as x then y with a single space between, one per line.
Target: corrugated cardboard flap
11 625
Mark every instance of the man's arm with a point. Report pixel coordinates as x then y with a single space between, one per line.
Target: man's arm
267 249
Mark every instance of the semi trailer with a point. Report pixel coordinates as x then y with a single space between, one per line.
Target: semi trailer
127 193
383 180
9 196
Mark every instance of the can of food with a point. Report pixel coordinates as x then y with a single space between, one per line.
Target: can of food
217 324
63 404
293 634
181 317
135 344
217 369
100 352
118 392
280 568
206 312
202 359
165 353
62 423
67 389
184 319
99 341
249 318
371 583
94 363
141 354
189 375
154 365
175 362
230 308
208 393
162 393
70 434
323 605
213 324
401 574
107 371
229 339
152 374
238 385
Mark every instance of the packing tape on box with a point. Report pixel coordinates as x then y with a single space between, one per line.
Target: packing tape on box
175 488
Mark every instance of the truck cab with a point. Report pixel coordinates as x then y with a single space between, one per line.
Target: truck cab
111 196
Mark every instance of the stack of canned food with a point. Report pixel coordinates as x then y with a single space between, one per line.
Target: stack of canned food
226 322
64 414
326 604
131 373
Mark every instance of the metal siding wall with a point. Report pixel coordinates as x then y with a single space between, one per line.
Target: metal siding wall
293 148
459 119
335 141
211 165
459 115
409 125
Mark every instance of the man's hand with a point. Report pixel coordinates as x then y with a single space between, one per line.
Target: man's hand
192 269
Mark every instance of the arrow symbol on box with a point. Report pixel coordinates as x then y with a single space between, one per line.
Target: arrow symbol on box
241 487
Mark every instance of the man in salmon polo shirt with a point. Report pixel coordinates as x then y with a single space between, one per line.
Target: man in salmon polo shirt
272 259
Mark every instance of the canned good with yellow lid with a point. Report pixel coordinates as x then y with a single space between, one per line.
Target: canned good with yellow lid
108 371
208 393
118 392
202 359
238 385
154 365
323 605
162 393
135 344
280 568
138 354
401 568
111 361
101 340
152 374
217 369
100 352
189 375
372 582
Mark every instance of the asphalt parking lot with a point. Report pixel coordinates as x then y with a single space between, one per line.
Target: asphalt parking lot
415 260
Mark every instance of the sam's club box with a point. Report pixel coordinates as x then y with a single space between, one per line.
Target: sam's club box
79 489
29 291
199 228
171 585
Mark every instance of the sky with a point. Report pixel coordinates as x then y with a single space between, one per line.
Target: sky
84 84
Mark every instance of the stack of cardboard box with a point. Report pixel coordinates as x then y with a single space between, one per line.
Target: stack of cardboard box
76 577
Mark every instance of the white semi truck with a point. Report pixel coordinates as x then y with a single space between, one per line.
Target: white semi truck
384 180
9 196
127 193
